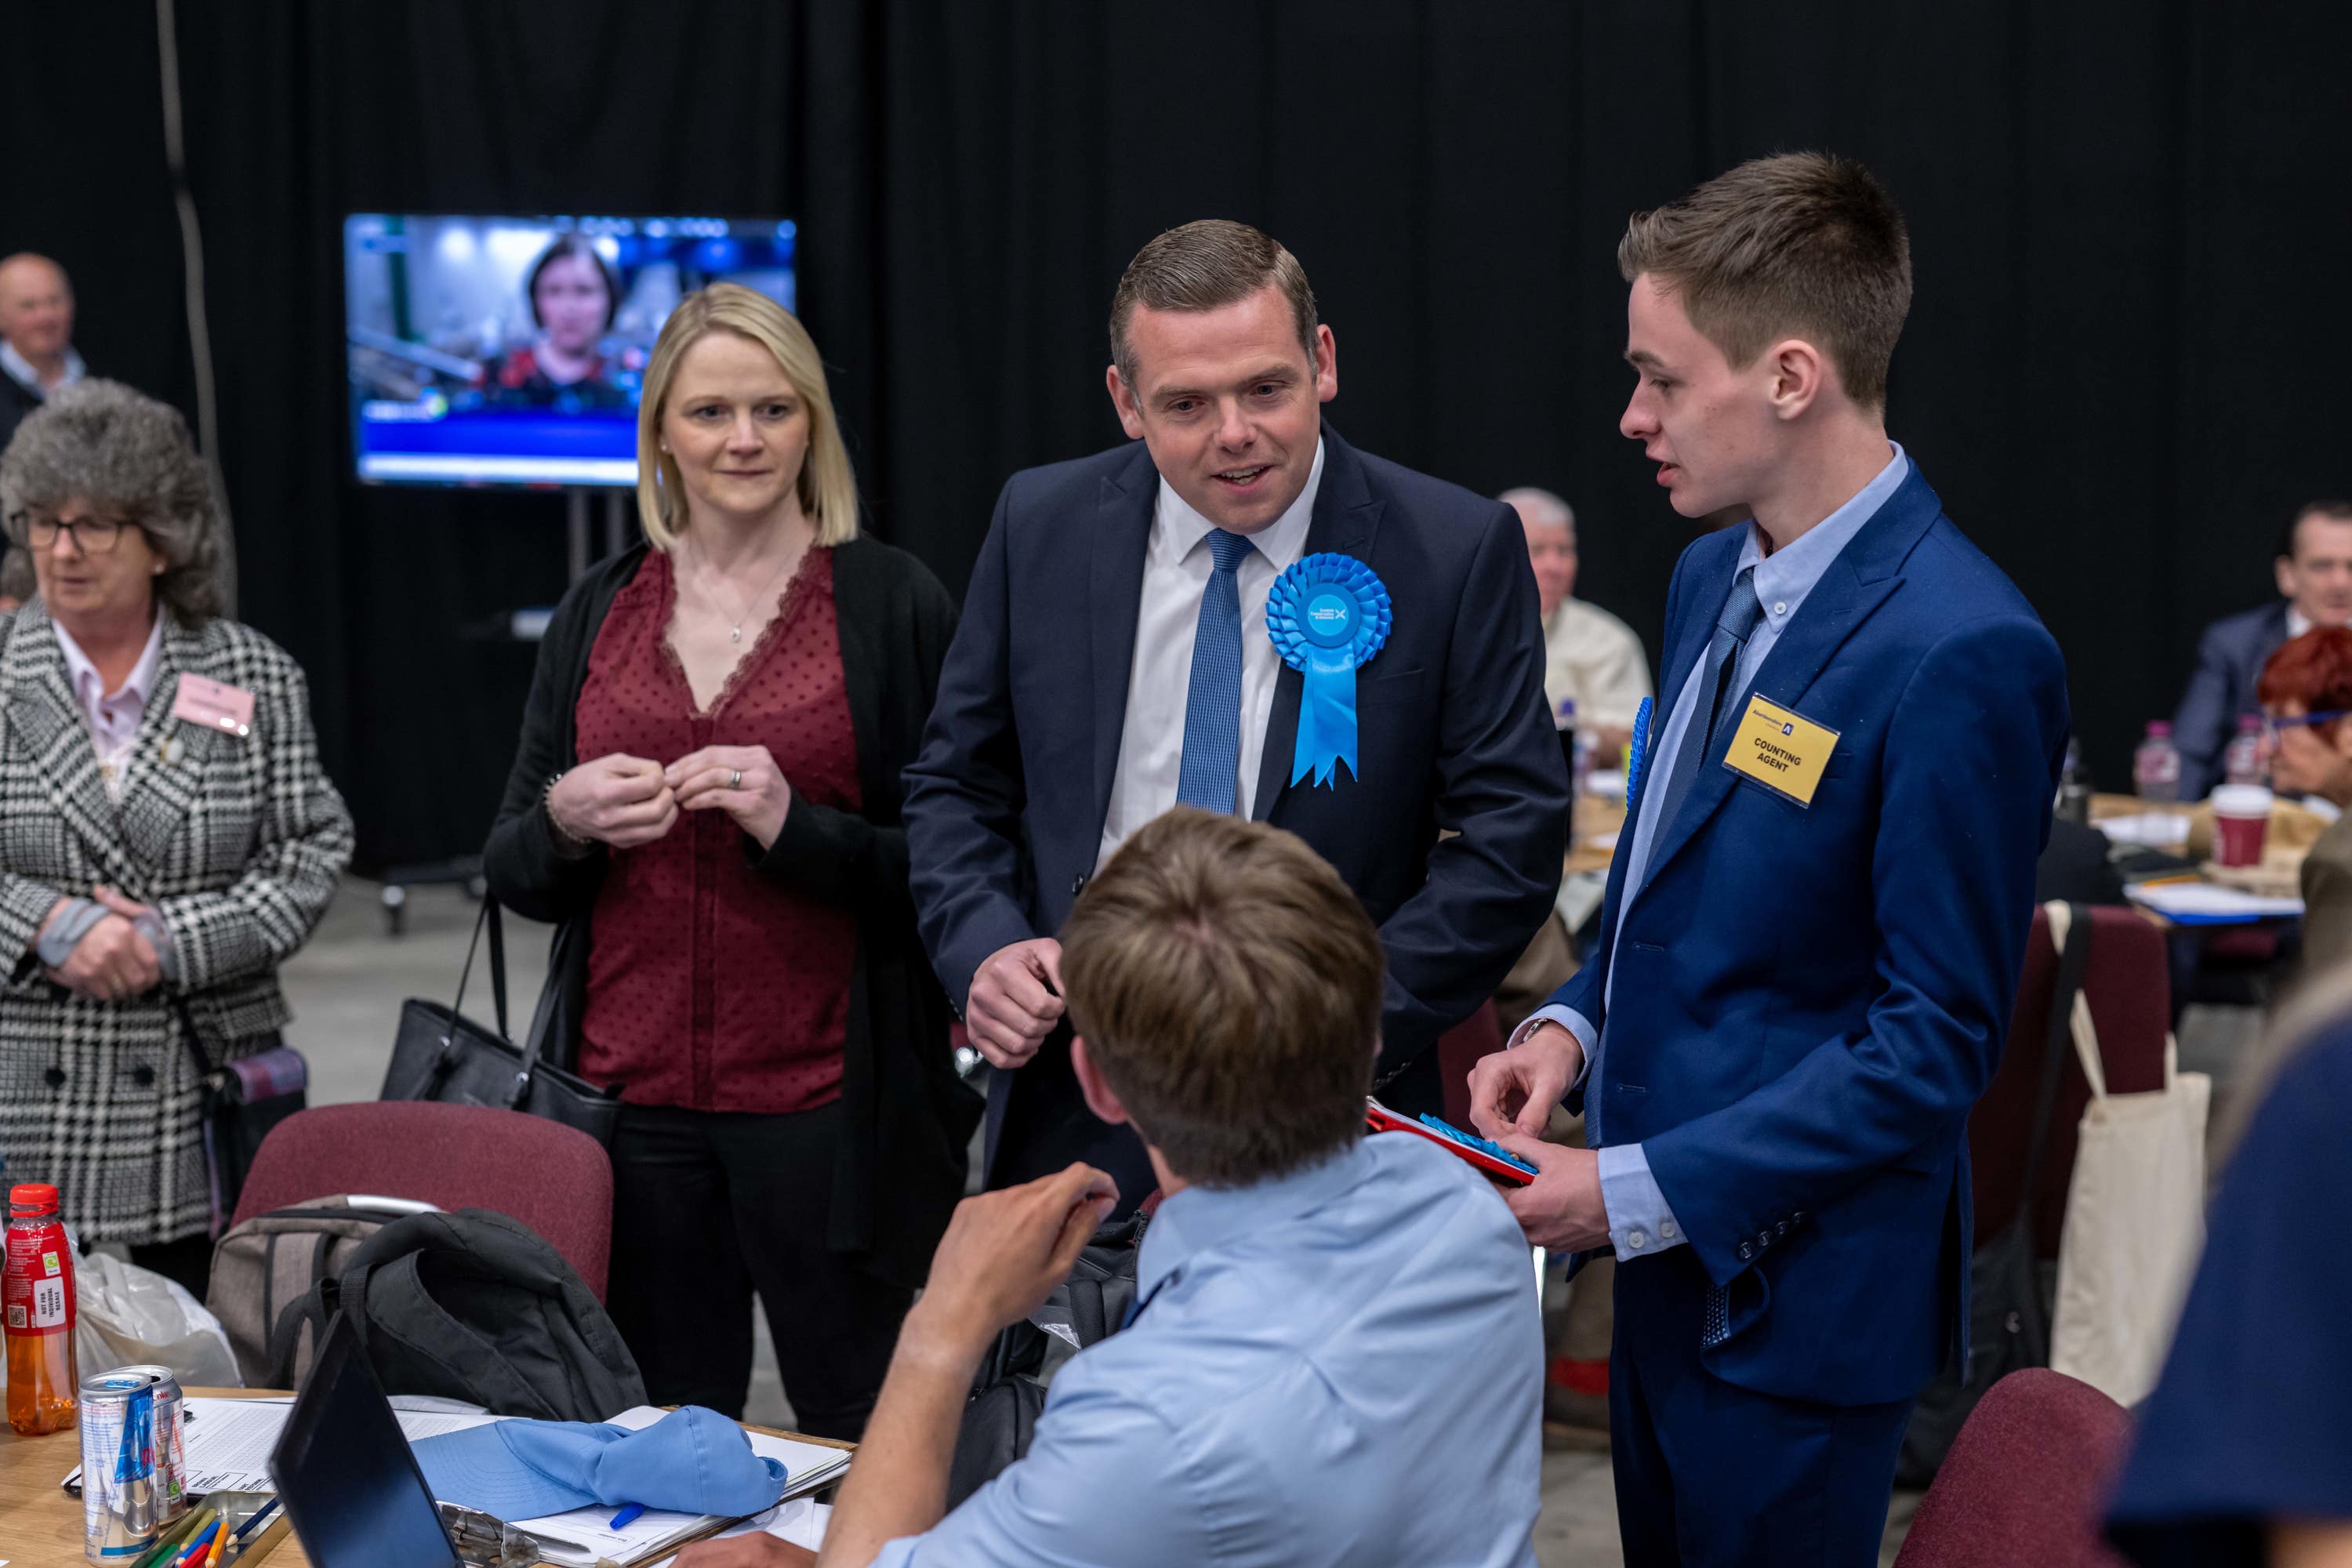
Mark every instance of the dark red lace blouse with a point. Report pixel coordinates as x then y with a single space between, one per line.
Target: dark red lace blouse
710 985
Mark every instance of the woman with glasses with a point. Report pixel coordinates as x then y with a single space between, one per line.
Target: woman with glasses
2307 696
166 837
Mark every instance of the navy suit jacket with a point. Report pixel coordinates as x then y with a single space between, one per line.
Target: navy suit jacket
1006 802
2230 660
1810 999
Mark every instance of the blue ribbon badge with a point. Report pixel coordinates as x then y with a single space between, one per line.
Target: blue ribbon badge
1326 615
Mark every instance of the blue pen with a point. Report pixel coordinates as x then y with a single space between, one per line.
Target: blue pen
626 1516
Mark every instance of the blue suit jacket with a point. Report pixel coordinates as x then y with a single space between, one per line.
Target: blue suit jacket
1006 802
2230 660
1809 1000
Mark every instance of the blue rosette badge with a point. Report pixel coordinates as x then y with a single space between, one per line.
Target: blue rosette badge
1327 615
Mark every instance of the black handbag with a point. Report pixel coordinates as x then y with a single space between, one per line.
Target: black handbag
442 1055
2009 1317
240 1102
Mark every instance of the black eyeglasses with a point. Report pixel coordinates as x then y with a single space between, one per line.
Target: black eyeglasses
96 535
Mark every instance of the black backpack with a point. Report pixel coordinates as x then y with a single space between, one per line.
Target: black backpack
1009 1393
475 1306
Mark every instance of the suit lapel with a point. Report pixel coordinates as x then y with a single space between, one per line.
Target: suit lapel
1345 521
46 721
168 759
1865 572
1122 538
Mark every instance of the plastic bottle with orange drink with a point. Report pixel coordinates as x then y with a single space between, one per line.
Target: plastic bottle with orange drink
38 1302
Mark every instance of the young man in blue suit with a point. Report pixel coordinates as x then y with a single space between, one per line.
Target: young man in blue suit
1114 660
1818 908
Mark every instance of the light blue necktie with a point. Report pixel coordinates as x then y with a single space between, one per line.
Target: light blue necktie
1740 614
1213 701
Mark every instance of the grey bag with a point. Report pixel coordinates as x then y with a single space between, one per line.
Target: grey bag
273 1260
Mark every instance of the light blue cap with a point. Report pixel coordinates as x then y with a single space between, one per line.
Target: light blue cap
692 1461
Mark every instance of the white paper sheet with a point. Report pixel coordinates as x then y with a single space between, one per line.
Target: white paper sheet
229 1441
2205 903
800 1521
2154 829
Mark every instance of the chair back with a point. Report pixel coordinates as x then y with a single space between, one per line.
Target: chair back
553 1179
2026 1481
2129 988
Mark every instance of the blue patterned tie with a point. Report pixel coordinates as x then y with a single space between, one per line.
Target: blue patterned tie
1740 614
1213 701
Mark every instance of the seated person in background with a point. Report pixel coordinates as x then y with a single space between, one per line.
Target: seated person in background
1311 1372
2306 697
36 355
573 297
1590 656
18 582
2244 1454
2315 580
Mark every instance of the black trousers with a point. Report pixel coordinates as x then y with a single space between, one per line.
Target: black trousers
710 1207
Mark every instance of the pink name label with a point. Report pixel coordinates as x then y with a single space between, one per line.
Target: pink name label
214 705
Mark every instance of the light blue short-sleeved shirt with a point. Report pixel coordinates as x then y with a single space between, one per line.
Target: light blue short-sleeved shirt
1332 1367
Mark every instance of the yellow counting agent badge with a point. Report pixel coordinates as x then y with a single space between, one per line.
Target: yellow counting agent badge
1781 750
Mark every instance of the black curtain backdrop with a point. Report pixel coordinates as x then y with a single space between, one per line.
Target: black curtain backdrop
2125 364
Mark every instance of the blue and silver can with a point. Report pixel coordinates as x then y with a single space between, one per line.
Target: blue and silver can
118 1465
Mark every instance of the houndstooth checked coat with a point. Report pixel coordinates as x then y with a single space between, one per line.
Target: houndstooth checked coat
237 840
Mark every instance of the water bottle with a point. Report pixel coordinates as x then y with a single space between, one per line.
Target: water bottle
2156 766
43 1379
2074 787
2242 763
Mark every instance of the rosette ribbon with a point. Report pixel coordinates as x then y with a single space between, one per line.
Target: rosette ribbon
1327 615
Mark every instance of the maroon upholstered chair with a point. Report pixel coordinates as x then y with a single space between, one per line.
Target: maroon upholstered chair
2129 988
2026 1480
1458 1049
555 1180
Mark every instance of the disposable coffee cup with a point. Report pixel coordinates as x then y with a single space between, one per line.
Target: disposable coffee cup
2242 816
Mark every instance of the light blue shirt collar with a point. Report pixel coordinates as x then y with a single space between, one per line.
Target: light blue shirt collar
1197 1218
20 370
1784 578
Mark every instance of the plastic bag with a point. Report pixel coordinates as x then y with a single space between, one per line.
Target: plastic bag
126 1314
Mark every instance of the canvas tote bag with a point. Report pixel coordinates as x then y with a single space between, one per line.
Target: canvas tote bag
2135 1219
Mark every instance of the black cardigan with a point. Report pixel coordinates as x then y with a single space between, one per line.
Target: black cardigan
907 1119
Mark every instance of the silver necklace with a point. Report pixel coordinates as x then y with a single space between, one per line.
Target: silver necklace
735 632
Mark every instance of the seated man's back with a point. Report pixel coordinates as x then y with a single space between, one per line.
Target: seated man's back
1329 1368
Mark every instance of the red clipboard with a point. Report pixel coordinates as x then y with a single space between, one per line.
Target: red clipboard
1378 1118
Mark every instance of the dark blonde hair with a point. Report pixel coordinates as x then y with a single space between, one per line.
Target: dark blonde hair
1204 266
828 486
1805 244
1228 985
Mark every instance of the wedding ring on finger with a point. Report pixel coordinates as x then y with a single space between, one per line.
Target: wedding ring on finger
737 781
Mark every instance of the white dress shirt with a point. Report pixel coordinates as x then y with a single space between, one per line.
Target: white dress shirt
1176 567
113 717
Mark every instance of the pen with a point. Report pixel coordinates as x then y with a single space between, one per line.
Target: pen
212 1558
259 1514
626 1516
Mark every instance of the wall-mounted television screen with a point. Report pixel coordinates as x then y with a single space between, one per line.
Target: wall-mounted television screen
510 350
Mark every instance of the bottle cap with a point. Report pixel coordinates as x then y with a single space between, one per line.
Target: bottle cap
33 1195
2159 726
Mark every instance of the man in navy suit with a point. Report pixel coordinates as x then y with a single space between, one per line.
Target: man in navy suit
2315 581
1818 909
1114 660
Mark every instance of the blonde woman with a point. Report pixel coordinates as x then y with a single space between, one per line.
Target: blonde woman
706 801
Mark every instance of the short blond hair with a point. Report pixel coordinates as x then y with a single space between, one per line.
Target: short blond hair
1228 985
828 486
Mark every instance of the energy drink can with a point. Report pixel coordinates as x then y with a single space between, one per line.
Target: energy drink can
117 1466
171 1442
